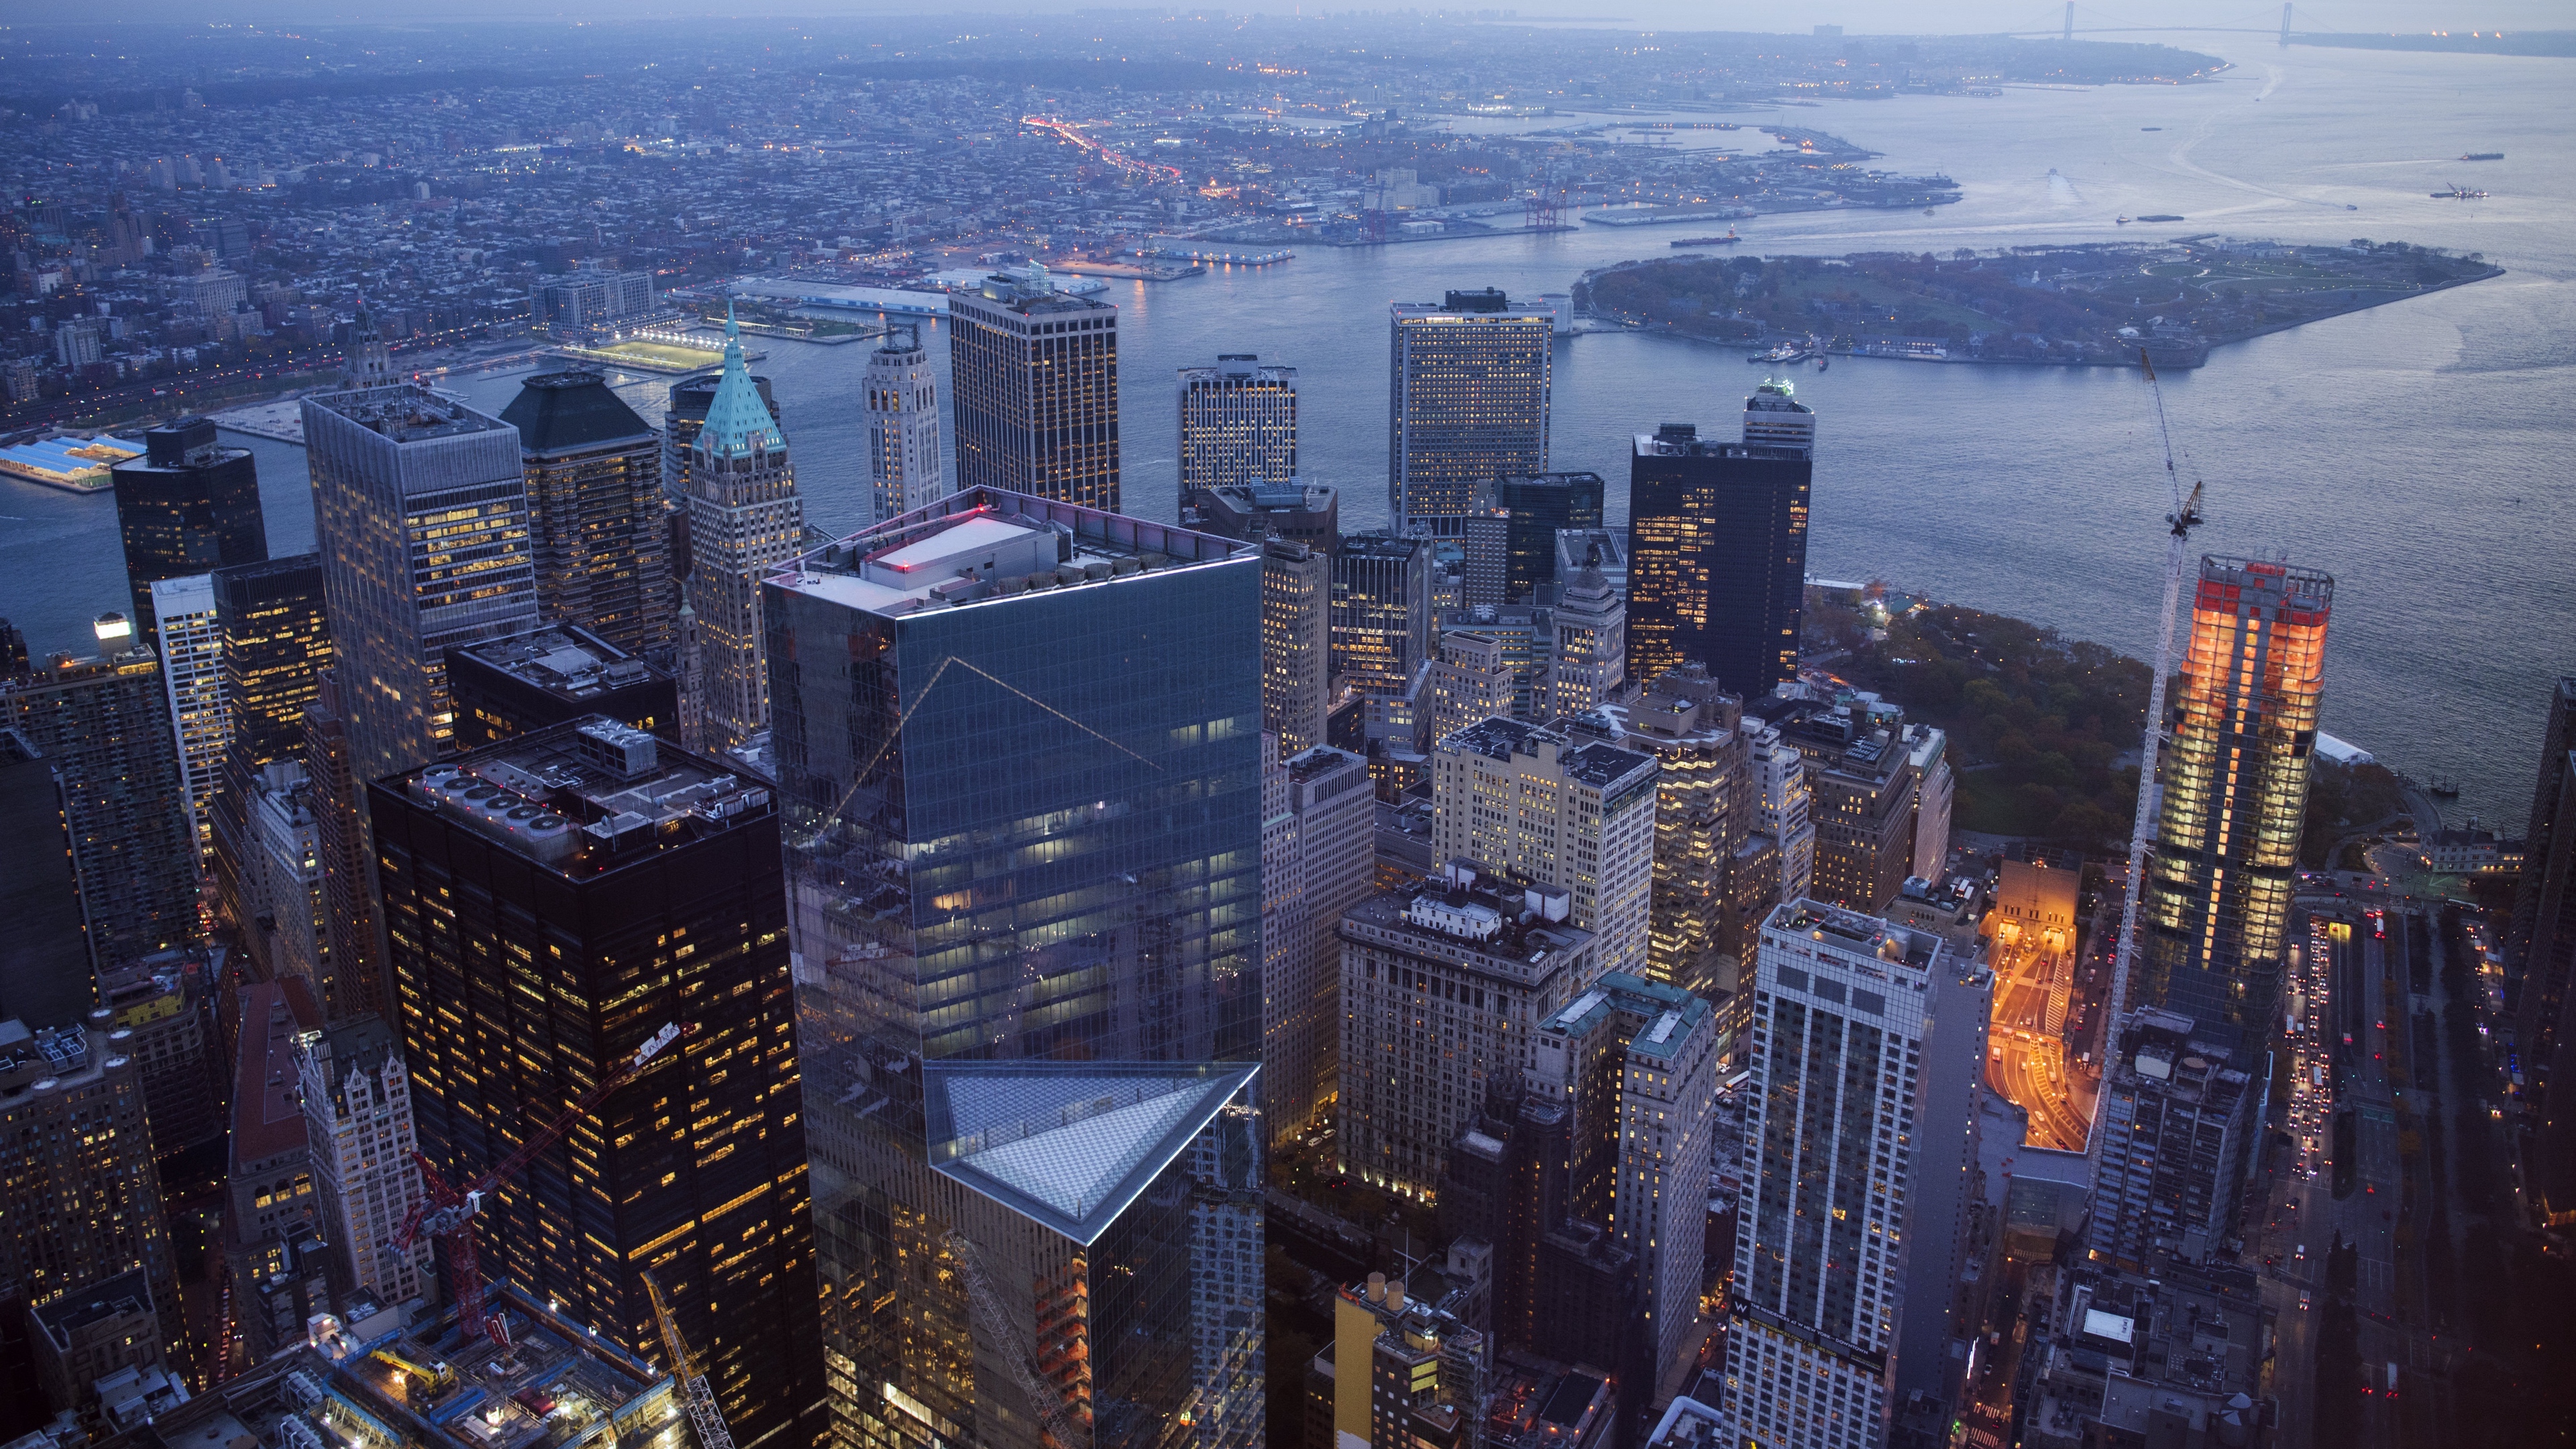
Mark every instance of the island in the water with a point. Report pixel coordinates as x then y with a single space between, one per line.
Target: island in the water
2096 305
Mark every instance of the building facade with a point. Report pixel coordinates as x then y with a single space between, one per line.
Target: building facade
905 470
1717 545
189 505
1319 859
276 646
1534 508
2170 1174
1705 810
358 1125
1296 642
1381 621
745 518
1538 805
1034 387
192 674
1469 387
1238 425
2540 960
597 533
1026 992
1588 663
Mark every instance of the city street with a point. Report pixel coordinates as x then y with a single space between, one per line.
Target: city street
2025 1061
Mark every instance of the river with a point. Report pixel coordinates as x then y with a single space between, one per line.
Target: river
2419 451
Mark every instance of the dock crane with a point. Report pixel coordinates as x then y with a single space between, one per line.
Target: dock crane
1048 1405
694 1393
2180 522
447 1212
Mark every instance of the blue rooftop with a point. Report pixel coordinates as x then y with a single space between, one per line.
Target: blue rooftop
737 420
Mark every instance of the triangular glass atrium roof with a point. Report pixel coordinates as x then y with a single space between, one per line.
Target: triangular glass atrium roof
1070 1144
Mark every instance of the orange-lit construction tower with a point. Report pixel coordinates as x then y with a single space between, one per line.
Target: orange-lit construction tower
2217 903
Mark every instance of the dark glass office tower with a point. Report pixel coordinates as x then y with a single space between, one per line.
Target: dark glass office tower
1019 746
275 646
552 901
2540 959
1540 504
189 505
1717 551
1381 613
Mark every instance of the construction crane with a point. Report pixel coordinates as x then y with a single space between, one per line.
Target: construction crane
431 1379
1000 1335
2180 522
447 1213
694 1393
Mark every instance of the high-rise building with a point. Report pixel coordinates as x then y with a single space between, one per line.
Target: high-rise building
647 881
1859 776
1238 425
1296 642
1399 1371
1525 634
285 925
1471 682
192 674
1021 1006
275 646
368 362
76 1178
2216 903
1589 660
1717 546
1788 806
1319 859
1289 508
1468 393
358 1125
1927 754
1034 389
1845 1014
352 927
2540 959
904 467
45 971
554 675
421 509
1534 508
1381 611
1634 1064
1705 809
1443 989
1539 805
162 1011
744 519
187 506
686 414
1605 549
595 514
2171 1170
104 724
590 298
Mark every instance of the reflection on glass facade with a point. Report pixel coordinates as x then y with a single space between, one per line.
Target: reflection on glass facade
1018 745
2217 899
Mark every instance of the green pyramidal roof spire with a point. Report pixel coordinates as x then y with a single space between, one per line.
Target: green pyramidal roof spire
737 420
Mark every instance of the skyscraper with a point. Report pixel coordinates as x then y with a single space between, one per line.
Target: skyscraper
904 467
1468 392
1319 859
595 513
2216 906
2172 1165
681 421
1034 388
1536 804
1706 806
351 924
188 505
1538 506
1471 682
420 506
1381 623
645 880
1717 545
1296 642
1589 660
1238 425
1026 992
554 675
45 971
276 643
744 519
2540 958
359 1127
192 652
104 724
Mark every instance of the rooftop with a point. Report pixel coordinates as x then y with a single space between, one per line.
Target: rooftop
560 1386
588 797
1666 1015
1853 931
571 663
562 412
405 412
1682 440
268 1100
1593 763
1501 922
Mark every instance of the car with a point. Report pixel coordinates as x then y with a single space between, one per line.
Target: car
2303 1303
2302 1254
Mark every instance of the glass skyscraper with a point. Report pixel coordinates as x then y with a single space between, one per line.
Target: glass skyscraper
2217 897
188 505
1018 748
1717 546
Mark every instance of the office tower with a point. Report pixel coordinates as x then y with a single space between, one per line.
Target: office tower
1319 847
13 652
1472 682
421 509
2216 906
1381 610
1021 1006
83 1203
1034 389
687 414
646 879
1398 1372
2171 1172
1229 1319
744 519
368 363
1289 508
2540 956
188 505
553 675
269 1181
1605 549
1788 805
275 645
45 971
1944 1296
1296 642
1533 508
1467 399
1540 806
904 469
1634 1064
1238 426
359 1128
163 1010
1704 812
1861 788
595 519
1842 1020
1484 565
1717 546
1588 663
1443 988
192 675
104 724
352 929
99 1357
1525 635
1927 755
285 922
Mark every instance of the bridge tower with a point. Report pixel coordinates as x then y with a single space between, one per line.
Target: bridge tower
2285 23
2070 21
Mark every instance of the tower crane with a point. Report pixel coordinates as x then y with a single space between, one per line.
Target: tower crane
2180 522
447 1212
694 1393
1043 1400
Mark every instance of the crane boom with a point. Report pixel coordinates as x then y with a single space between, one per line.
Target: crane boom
447 1212
700 1400
2185 516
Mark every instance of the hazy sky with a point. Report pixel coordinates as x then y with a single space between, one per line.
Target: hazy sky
1857 16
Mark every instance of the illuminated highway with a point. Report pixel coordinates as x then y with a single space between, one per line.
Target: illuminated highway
2025 1061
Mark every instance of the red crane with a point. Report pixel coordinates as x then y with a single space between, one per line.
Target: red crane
447 1213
